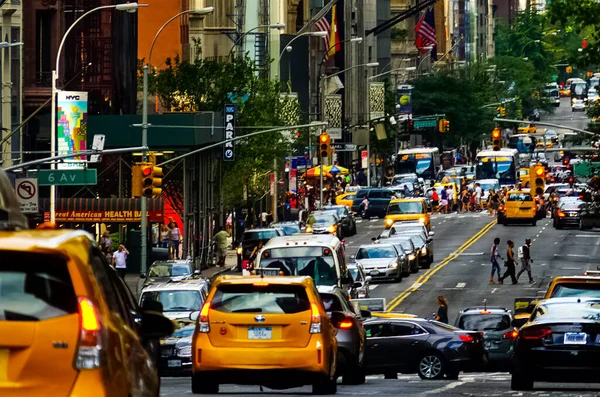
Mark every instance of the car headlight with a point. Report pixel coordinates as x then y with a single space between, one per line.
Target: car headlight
185 351
424 250
240 250
422 220
573 100
389 222
393 265
412 257
332 229
309 229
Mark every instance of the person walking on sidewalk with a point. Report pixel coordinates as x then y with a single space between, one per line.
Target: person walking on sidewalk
495 256
220 240
175 240
120 260
524 253
510 264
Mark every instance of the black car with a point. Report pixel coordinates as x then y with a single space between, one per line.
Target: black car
176 353
349 333
167 271
424 248
346 218
250 240
568 214
408 252
426 347
589 216
559 343
378 198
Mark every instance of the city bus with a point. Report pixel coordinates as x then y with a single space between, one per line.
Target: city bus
424 162
501 164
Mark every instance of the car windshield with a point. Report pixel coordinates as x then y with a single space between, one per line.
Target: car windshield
349 197
573 206
324 219
260 234
175 300
417 240
376 252
169 270
338 210
484 322
406 207
489 186
275 299
288 228
519 197
576 290
524 125
406 244
301 261
185 332
34 287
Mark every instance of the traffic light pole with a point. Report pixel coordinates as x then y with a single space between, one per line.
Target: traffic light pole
143 203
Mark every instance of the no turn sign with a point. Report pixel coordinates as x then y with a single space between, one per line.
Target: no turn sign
27 195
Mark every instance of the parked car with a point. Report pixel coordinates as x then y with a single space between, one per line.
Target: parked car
426 347
498 332
169 271
360 287
350 334
380 261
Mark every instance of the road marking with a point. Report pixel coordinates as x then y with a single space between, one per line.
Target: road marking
449 386
416 285
460 285
587 235
372 287
571 268
494 290
427 275
572 255
471 253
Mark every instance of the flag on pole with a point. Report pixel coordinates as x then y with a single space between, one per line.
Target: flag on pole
425 33
328 23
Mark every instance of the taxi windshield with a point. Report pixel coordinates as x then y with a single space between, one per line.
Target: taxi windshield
405 208
376 252
174 301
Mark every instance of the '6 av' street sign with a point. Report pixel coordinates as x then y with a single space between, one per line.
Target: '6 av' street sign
67 177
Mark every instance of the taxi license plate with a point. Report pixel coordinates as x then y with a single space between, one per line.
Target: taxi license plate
260 333
174 363
575 338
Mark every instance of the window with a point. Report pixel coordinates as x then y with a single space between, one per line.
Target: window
484 322
376 330
260 235
175 300
408 207
35 287
519 197
100 269
356 274
162 269
278 299
576 290
377 252
404 329
331 303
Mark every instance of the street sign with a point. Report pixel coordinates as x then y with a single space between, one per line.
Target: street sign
229 147
343 147
67 177
97 144
27 195
425 124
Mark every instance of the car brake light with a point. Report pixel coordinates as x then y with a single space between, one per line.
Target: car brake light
535 333
89 345
203 325
510 334
260 284
561 214
315 319
501 208
346 324
466 338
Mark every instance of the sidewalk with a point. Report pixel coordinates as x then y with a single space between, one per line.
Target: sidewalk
133 279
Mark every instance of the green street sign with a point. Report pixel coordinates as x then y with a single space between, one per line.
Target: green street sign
67 177
425 124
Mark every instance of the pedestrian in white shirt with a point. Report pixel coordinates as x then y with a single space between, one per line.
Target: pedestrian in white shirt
478 194
450 194
119 260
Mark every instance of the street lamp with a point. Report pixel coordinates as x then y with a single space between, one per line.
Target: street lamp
271 26
128 7
428 48
143 202
322 96
526 44
408 69
320 33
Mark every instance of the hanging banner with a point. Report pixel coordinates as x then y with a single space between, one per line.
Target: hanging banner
404 98
71 128
364 157
293 179
333 115
229 147
376 100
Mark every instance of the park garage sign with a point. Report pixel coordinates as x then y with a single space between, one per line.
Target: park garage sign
229 147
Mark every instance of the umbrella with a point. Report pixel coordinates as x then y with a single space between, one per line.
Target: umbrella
336 169
316 172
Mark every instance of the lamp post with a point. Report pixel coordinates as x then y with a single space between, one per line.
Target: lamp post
129 7
143 202
271 26
428 48
289 48
526 44
408 69
321 110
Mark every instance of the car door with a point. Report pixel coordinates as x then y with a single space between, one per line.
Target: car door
378 344
408 341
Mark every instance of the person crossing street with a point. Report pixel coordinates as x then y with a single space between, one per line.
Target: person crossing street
524 254
509 264
495 256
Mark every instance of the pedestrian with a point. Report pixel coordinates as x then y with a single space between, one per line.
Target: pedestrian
119 260
105 240
255 253
364 208
495 255
465 199
164 236
442 313
478 195
175 239
220 239
263 218
524 253
407 192
435 201
450 195
444 206
509 264
108 255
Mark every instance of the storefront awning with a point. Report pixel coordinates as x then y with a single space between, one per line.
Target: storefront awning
105 210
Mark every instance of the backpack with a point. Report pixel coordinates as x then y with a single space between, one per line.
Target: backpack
520 252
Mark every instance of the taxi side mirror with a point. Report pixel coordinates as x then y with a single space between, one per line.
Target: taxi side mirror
357 285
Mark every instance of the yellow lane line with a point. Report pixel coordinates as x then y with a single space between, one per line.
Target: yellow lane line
427 275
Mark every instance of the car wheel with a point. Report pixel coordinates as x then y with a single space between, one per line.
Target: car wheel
558 225
399 276
534 222
328 385
200 385
431 366
390 375
521 381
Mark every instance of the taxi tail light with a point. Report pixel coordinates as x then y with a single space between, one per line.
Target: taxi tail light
203 325
315 319
89 347
510 334
535 333
561 214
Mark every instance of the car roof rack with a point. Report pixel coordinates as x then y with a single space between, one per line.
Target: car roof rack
473 308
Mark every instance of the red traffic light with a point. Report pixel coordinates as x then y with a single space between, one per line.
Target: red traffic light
571 180
147 171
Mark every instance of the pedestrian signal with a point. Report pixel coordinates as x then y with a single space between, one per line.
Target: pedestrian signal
538 181
496 139
324 145
151 180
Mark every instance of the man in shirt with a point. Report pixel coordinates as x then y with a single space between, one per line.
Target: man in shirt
478 195
119 260
526 260
220 240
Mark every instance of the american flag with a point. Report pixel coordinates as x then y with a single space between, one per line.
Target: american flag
324 25
425 33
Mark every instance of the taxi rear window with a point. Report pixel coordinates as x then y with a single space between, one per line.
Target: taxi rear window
35 287
576 290
274 299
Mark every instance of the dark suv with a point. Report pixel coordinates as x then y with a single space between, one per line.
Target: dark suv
378 198
589 216
250 240
349 332
498 332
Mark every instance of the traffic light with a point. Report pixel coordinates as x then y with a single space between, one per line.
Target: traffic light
444 125
136 180
496 139
410 126
151 180
537 182
324 144
500 112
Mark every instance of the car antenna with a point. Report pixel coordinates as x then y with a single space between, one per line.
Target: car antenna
485 304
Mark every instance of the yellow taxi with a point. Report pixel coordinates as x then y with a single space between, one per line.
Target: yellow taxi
407 209
345 199
438 187
564 92
69 326
527 128
268 331
519 206
524 176
540 144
